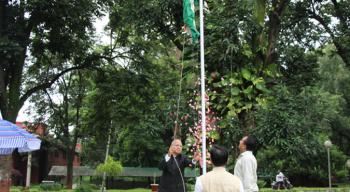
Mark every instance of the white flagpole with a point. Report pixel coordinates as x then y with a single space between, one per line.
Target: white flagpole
201 19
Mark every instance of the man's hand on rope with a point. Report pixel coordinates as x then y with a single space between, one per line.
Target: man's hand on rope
197 156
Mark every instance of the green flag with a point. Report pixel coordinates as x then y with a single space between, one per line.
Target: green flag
189 19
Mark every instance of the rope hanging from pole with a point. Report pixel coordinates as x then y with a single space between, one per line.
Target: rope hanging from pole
176 124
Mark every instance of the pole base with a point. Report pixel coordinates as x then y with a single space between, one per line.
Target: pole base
154 187
5 185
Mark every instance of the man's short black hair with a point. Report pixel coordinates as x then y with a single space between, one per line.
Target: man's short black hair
218 155
250 143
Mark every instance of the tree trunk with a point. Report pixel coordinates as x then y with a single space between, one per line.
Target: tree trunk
14 92
70 158
247 121
274 27
3 5
3 93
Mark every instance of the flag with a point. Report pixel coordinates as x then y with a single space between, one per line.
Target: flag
189 18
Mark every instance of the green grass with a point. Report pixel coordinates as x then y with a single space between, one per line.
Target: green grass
37 189
309 189
33 189
296 189
130 190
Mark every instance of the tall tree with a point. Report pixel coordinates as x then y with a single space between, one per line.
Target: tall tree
242 56
32 33
159 27
161 19
62 105
139 105
335 79
250 50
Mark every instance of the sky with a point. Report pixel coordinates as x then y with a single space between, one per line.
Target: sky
99 24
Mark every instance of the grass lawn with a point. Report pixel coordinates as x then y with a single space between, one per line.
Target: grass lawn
130 190
296 189
308 189
37 189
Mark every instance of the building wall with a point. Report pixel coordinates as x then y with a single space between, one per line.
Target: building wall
42 160
59 158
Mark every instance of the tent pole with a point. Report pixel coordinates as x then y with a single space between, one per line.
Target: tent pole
29 169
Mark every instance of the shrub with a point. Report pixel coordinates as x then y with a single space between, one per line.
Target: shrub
85 187
50 186
111 167
261 183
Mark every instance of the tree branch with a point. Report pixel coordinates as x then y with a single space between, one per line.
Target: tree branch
274 29
165 29
52 105
341 49
318 18
3 94
88 63
339 13
48 84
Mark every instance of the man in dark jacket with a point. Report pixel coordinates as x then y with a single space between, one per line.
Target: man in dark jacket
173 166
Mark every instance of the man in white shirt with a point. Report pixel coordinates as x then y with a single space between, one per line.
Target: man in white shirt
280 180
246 164
218 180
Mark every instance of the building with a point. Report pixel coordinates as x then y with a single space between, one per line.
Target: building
42 160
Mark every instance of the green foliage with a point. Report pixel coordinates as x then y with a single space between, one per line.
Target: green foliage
261 68
261 184
140 104
50 186
141 140
86 187
292 128
308 189
336 80
260 11
240 50
161 20
63 114
290 120
238 92
323 13
111 167
303 170
300 68
143 93
39 42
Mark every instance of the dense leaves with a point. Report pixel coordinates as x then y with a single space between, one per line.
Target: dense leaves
39 42
111 167
278 69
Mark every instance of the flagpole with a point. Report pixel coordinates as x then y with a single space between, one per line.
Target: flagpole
201 20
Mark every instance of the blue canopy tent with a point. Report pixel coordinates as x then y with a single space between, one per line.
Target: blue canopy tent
14 137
